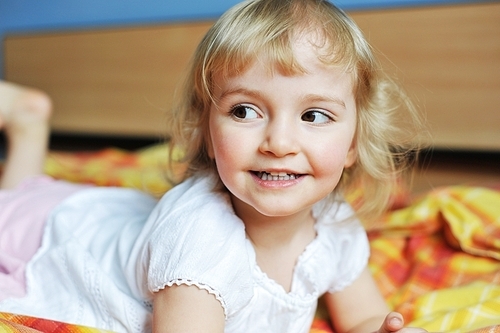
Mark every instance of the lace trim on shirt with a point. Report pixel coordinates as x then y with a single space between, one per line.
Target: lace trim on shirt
202 286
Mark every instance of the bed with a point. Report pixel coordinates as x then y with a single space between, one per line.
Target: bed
436 257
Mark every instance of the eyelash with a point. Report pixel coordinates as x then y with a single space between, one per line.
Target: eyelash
319 112
233 109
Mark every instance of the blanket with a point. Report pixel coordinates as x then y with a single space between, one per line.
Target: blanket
435 258
14 323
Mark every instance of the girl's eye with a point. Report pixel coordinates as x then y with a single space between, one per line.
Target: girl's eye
317 117
244 112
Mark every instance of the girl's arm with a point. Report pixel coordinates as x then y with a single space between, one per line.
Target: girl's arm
361 308
184 309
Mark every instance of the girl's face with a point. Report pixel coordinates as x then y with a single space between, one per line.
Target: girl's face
281 142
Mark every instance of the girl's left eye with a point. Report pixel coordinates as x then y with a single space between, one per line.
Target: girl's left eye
316 116
244 112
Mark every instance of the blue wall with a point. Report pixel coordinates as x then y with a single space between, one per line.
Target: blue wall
23 16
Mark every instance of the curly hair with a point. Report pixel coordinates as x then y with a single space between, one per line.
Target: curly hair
388 125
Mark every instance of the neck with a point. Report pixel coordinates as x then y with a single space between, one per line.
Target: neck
273 231
278 241
267 232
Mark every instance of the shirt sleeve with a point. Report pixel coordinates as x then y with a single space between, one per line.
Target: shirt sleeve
346 246
196 239
354 250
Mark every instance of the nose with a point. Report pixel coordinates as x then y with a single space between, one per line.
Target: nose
281 138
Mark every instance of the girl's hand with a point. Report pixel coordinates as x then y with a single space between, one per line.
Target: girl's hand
394 322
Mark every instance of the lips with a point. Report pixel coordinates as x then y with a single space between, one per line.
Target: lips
276 176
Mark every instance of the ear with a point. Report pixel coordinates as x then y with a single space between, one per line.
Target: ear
352 156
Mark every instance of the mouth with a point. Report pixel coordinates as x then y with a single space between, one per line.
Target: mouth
276 176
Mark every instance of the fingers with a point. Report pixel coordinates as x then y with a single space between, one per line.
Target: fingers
393 322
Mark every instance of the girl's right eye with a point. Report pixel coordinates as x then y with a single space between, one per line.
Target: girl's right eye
244 112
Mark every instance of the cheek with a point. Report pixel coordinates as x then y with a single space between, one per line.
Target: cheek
222 148
226 151
330 164
227 141
229 162
222 144
332 159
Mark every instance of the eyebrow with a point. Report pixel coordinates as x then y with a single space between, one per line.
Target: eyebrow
309 97
323 98
240 91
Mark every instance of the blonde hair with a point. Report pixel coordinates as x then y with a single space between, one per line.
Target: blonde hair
387 123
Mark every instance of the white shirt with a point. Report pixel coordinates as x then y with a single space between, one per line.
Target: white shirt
106 250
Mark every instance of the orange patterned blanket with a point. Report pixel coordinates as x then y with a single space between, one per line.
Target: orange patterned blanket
436 259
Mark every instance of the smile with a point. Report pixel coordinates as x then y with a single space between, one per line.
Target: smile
276 175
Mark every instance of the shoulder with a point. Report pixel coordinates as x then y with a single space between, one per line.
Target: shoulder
343 242
193 197
195 238
194 209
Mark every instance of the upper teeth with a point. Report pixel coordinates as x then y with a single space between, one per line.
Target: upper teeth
276 176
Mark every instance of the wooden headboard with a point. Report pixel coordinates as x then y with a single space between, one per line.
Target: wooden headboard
114 82
121 81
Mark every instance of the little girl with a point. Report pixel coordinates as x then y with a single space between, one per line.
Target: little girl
284 112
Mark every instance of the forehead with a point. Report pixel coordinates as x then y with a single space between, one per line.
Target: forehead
306 66
317 83
307 53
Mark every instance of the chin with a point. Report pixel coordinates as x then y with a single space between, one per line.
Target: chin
279 213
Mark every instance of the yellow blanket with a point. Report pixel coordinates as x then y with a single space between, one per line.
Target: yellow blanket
437 260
